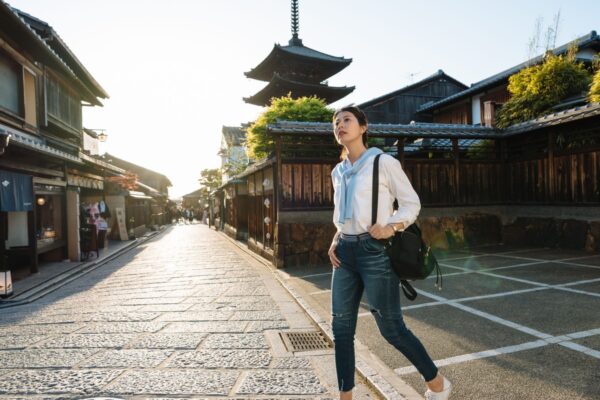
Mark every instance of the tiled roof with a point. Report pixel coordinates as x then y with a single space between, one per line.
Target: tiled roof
561 117
590 39
38 144
41 50
45 32
431 130
383 130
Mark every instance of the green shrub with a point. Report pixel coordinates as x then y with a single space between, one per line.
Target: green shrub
260 144
536 89
594 94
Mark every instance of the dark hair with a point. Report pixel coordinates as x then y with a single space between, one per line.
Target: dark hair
361 117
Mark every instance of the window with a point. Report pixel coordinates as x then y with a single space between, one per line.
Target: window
10 85
63 105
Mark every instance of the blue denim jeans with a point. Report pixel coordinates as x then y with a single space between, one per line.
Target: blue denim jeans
366 266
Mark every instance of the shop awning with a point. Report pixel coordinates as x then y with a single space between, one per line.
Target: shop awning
138 195
16 192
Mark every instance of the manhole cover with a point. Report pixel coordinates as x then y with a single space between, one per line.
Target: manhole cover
304 341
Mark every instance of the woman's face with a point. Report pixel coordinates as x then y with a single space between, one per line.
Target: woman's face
347 129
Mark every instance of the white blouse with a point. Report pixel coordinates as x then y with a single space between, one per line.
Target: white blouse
393 184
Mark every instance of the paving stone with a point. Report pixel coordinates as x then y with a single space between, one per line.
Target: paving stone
123 327
169 341
19 342
117 316
49 329
174 383
243 299
236 341
281 382
43 358
217 327
291 363
196 316
88 341
127 358
170 300
271 315
260 326
56 381
245 290
221 359
166 307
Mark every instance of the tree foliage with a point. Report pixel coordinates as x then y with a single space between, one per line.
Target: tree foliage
210 178
260 144
536 89
594 94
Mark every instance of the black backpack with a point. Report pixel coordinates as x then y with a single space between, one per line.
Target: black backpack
410 257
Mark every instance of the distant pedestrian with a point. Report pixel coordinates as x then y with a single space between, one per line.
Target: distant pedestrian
359 260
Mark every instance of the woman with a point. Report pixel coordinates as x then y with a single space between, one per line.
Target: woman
358 257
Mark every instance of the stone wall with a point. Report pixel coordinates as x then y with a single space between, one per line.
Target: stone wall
303 238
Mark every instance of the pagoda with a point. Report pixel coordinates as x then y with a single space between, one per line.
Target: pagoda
297 70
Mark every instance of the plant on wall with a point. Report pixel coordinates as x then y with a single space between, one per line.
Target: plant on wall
535 90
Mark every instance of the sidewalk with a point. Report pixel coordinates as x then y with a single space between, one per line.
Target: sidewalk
189 314
53 275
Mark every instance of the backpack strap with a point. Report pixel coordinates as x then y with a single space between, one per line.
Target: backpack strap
407 288
375 196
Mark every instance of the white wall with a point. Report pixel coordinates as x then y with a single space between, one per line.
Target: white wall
476 110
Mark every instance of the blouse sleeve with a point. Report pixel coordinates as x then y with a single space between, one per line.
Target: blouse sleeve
335 181
400 187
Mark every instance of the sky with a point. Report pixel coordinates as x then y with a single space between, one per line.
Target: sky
175 70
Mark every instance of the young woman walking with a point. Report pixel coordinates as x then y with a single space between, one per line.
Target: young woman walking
359 260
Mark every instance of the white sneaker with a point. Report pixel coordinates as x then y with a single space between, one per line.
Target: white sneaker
443 395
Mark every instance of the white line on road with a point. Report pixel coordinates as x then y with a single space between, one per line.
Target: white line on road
564 340
583 349
476 356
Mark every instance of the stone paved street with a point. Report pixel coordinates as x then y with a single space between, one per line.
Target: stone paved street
187 314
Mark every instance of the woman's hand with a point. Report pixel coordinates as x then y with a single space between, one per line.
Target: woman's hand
331 253
381 232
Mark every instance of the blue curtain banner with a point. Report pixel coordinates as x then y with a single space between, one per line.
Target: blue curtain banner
16 192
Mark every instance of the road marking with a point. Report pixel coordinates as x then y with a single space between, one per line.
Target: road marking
564 340
476 356
583 349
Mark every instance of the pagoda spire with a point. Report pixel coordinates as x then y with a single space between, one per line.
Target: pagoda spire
295 40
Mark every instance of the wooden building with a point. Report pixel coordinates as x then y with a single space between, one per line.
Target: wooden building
400 106
44 86
477 104
297 70
148 204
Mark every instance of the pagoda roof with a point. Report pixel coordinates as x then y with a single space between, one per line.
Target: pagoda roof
298 61
280 86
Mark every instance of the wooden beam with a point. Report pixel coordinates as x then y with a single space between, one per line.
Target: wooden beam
30 168
456 154
400 146
550 173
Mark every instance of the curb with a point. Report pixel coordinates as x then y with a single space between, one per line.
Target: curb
377 376
32 294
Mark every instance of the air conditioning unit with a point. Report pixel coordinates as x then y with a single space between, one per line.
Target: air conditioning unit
6 287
